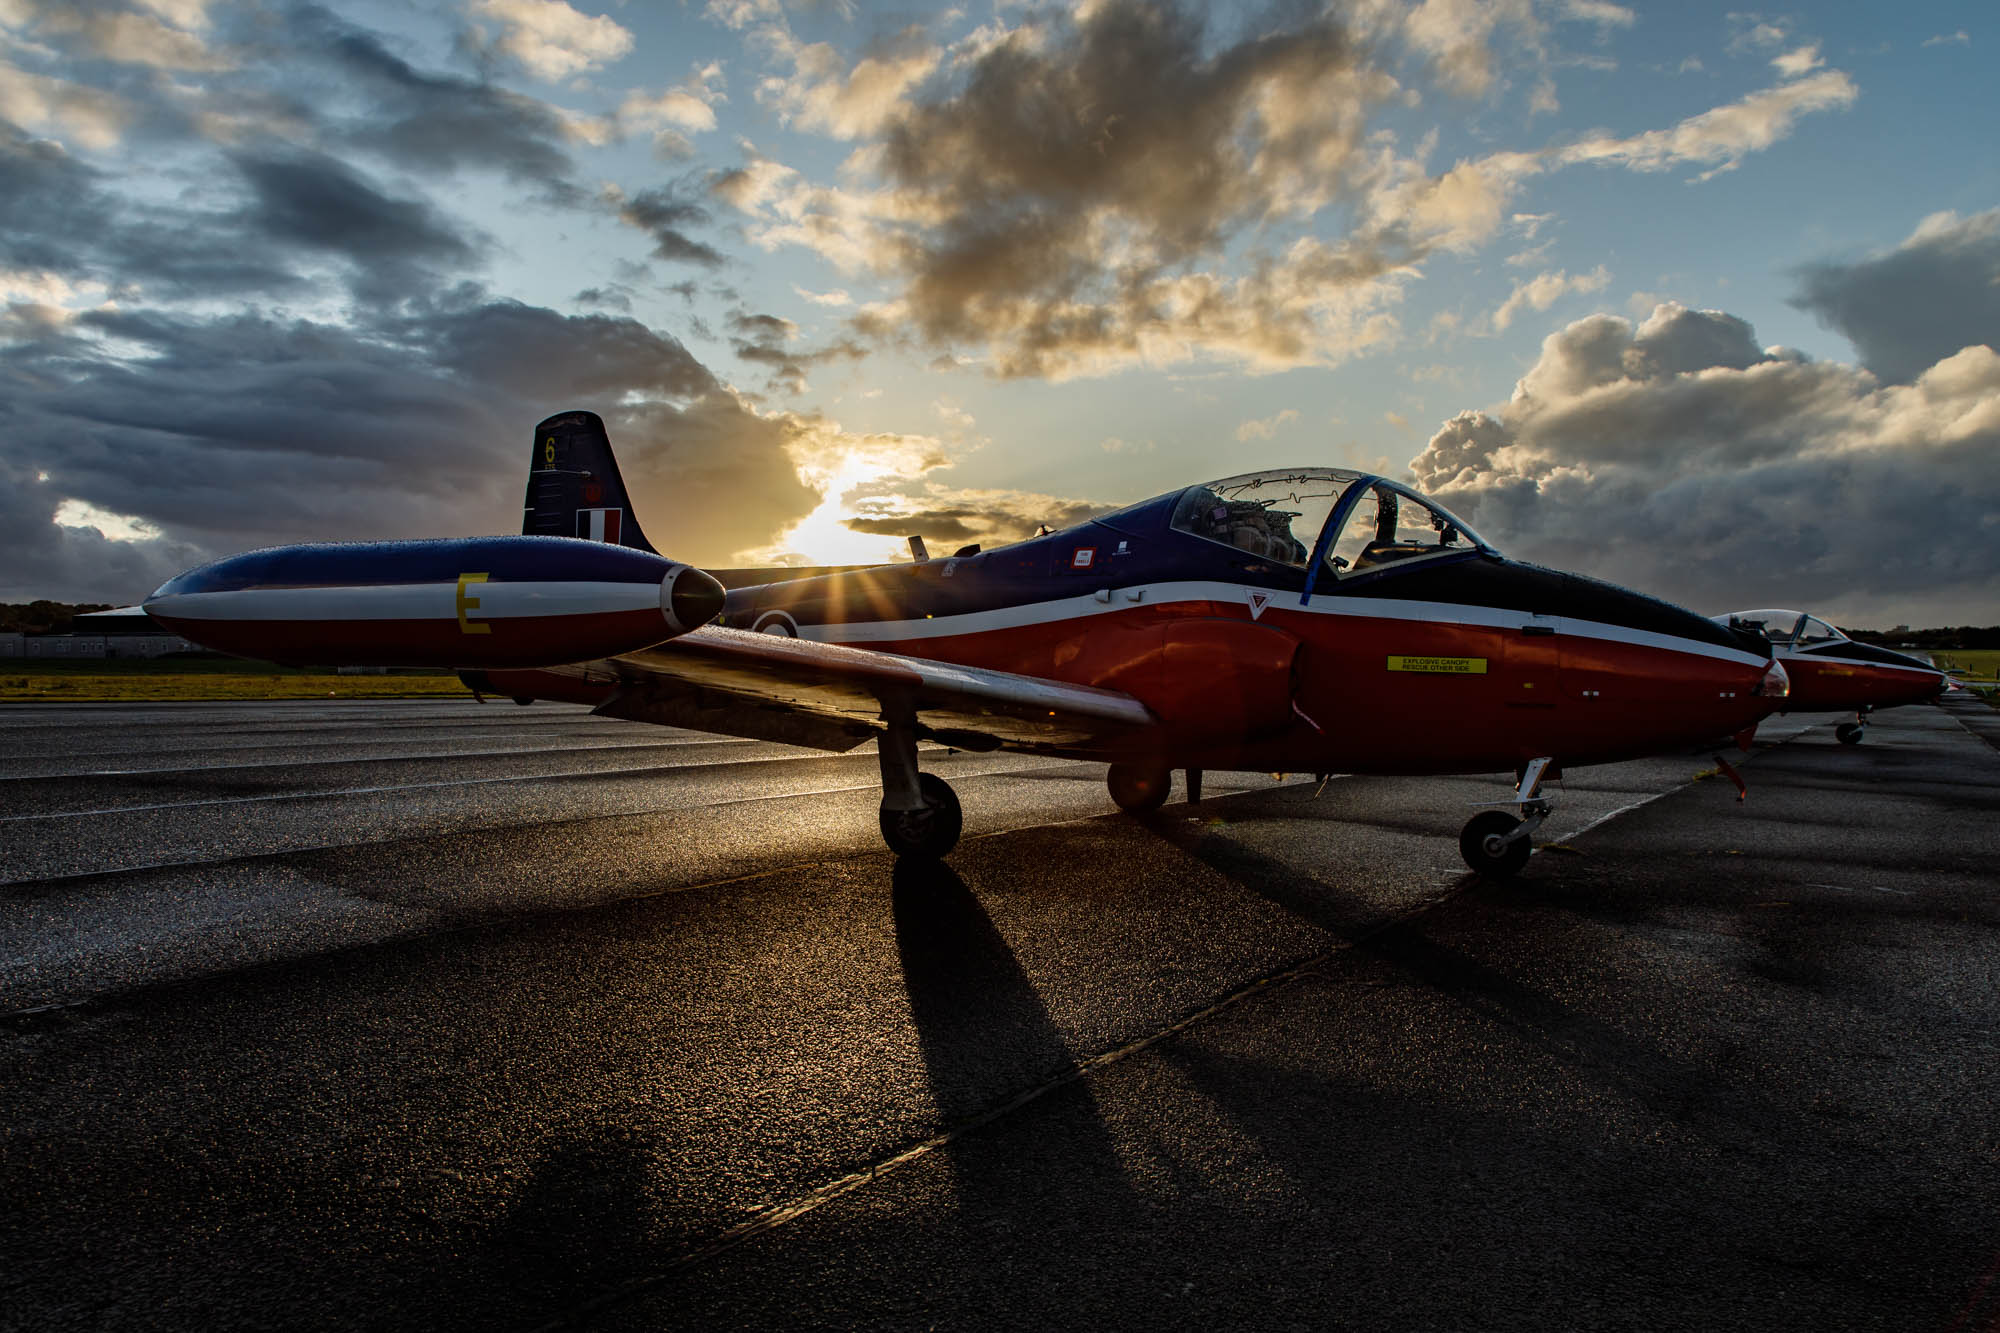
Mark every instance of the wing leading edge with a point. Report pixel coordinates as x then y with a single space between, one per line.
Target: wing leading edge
832 696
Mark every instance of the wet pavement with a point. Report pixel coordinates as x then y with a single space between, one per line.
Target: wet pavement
427 1014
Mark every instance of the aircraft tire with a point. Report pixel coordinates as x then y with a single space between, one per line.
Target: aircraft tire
1139 789
1478 843
930 833
1848 733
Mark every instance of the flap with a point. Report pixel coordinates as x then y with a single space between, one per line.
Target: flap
833 696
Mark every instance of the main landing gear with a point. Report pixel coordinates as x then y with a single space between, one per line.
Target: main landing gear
1494 843
1140 789
920 812
1850 733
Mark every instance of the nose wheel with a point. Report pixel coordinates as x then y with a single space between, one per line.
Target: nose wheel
1850 733
1492 845
1496 844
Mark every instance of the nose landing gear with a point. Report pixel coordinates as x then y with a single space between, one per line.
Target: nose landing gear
1850 733
1495 844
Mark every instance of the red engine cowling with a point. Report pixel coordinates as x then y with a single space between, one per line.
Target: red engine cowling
1207 679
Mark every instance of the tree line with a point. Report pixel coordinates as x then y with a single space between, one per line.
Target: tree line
44 617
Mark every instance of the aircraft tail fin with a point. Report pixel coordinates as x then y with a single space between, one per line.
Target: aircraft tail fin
574 489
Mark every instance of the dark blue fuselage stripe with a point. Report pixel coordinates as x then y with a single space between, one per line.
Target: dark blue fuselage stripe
439 560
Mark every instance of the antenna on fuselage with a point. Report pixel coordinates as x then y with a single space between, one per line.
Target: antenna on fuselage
918 551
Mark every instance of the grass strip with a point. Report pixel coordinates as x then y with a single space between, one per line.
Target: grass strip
1981 665
140 682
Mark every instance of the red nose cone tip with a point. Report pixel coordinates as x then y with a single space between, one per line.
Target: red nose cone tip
1776 684
693 598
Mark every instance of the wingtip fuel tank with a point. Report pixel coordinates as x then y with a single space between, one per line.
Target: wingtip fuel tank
466 602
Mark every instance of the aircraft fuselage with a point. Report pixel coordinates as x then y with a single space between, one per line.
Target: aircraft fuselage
1466 662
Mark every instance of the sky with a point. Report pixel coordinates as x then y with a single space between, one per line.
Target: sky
1699 299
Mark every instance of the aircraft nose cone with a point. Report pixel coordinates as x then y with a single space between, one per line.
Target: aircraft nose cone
693 598
1776 684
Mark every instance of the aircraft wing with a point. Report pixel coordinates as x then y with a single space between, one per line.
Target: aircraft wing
832 696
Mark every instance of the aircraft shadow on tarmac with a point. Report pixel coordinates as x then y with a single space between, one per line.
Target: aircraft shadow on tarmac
970 1002
583 1225
969 995
1599 1050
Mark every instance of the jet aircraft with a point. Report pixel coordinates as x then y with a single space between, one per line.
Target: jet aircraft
1309 619
1831 673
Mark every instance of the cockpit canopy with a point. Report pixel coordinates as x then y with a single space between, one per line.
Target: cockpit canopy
1784 628
1350 522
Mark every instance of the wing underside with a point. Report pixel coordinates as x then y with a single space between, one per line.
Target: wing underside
833 697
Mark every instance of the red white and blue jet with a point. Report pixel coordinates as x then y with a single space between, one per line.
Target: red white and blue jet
1831 673
1311 620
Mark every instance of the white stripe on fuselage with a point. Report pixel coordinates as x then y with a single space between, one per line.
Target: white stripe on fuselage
1912 666
1235 594
412 601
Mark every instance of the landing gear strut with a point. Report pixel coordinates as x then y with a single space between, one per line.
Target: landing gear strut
1495 844
1850 733
920 813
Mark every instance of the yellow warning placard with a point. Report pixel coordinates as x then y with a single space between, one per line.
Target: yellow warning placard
1440 666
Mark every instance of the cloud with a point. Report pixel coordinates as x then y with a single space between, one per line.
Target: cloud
849 103
317 203
1749 31
91 118
550 39
274 223
1135 122
367 97
299 346
953 416
1601 12
985 517
1680 458
1456 34
766 340
51 290
1804 60
1723 134
689 107
50 204
126 36
673 107
663 213
190 14
47 558
235 431
1545 289
1266 427
1117 185
1907 309
1959 38
1053 202
117 527
740 14
763 327
751 186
